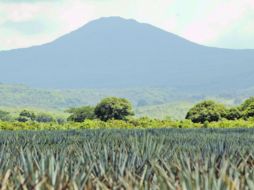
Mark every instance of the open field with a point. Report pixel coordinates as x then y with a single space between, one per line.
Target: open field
128 159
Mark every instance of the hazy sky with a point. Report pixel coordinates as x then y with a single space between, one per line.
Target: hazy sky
221 23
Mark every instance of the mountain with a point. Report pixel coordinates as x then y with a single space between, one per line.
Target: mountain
114 52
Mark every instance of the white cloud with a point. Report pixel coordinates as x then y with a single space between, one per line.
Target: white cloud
217 21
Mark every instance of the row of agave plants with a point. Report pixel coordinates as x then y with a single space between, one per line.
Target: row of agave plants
128 159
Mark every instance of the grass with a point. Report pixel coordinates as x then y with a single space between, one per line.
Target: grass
128 159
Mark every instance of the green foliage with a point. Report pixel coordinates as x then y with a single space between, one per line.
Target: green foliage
60 120
132 123
115 112
22 119
26 115
176 110
206 124
151 102
247 103
247 108
248 112
22 96
211 111
44 118
233 114
81 114
183 159
206 111
5 116
113 108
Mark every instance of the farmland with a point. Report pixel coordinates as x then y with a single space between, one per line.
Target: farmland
116 95
128 159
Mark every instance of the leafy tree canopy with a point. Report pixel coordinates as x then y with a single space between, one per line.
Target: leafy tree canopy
247 103
113 108
248 111
233 114
26 115
81 114
206 111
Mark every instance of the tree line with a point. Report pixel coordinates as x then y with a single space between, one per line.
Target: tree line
211 111
113 108
109 108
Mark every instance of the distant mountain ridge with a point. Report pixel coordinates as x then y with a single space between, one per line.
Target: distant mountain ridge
114 52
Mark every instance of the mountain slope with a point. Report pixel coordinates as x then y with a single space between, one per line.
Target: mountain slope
23 96
114 52
152 102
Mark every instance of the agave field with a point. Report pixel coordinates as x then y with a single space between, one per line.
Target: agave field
181 159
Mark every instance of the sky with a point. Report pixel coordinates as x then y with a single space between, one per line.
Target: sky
217 23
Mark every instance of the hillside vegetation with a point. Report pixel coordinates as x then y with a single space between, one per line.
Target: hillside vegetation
151 102
113 112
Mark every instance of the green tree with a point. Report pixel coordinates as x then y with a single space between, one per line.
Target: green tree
246 103
247 108
113 108
25 116
81 114
233 114
206 111
44 118
248 112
